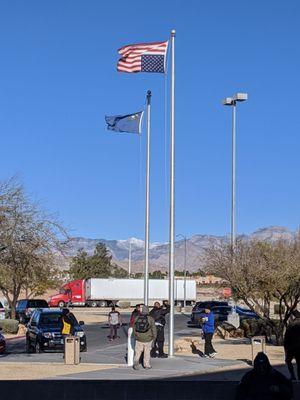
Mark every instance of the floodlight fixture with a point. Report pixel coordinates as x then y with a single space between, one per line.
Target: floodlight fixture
228 101
240 97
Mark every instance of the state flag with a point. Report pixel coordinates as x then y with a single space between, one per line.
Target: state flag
131 123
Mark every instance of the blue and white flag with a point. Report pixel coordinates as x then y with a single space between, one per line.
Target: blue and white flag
131 123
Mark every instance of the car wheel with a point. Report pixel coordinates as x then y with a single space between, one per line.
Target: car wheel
61 304
38 348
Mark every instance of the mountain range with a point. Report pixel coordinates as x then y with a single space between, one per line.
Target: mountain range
159 252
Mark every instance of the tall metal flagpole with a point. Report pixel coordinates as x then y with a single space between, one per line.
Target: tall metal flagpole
172 200
147 210
233 182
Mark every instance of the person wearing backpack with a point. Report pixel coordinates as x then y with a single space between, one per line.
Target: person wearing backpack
144 331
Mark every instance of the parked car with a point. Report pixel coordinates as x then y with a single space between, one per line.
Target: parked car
221 313
2 343
2 311
25 307
199 308
44 331
200 305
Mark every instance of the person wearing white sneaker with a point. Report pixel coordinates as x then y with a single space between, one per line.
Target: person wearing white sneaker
208 328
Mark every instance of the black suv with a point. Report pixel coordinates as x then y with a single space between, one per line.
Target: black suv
25 307
44 332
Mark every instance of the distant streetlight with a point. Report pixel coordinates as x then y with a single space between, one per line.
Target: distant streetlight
232 101
184 267
129 260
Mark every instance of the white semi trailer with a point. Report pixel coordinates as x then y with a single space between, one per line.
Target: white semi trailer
132 290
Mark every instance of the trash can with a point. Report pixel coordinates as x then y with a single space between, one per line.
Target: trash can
72 350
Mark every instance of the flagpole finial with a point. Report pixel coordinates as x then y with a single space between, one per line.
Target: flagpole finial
173 32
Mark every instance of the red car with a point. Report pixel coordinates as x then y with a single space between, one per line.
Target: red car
2 344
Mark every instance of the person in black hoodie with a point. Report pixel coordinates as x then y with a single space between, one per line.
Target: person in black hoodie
264 382
292 345
68 322
158 313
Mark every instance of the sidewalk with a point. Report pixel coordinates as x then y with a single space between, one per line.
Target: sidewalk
178 366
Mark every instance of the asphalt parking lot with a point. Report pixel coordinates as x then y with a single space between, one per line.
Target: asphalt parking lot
99 348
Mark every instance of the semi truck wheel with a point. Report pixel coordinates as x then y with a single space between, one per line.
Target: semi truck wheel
102 303
93 304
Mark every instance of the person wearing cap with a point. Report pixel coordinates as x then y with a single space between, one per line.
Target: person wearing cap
264 382
144 331
208 328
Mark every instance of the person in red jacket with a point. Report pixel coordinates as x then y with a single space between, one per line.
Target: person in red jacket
134 314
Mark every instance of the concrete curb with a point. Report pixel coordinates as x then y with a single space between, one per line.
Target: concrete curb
14 338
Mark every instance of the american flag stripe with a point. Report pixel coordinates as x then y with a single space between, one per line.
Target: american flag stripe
132 64
123 69
124 65
142 46
131 55
142 50
134 55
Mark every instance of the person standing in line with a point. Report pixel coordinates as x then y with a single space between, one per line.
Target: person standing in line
158 313
68 324
135 313
264 382
291 345
144 331
114 321
208 328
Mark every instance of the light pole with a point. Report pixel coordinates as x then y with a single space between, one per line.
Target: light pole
232 101
184 268
129 260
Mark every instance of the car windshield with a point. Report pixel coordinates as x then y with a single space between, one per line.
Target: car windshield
37 304
52 319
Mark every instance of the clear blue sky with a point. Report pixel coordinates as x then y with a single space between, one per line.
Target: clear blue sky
58 79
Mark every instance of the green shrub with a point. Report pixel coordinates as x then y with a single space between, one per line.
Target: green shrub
255 327
9 325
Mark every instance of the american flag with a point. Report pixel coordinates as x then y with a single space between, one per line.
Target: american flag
143 57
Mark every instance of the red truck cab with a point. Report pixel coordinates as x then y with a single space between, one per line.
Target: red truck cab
72 293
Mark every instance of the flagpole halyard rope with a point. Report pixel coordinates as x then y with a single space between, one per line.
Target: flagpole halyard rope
166 152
